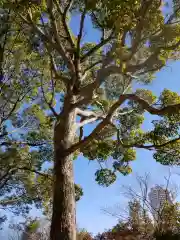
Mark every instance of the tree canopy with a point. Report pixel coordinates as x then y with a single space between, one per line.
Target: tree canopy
131 52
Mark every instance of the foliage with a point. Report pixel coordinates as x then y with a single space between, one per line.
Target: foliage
170 219
31 229
105 177
17 181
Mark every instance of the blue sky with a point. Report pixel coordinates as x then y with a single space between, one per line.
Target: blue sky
96 198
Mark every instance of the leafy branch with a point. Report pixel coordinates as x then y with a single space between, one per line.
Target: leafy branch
108 119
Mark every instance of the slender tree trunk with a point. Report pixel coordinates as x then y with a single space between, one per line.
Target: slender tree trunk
63 225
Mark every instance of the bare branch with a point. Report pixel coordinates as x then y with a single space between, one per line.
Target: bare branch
116 215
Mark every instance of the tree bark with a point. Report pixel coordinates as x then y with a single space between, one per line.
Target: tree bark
63 224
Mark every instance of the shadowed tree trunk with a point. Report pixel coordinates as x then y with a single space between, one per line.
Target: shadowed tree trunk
63 225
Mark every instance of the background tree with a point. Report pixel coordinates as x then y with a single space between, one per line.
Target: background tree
169 224
140 225
17 190
31 229
136 225
82 234
142 217
78 82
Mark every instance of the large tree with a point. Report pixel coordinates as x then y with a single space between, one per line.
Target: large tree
77 83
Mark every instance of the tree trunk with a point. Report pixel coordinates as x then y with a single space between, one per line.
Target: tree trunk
63 224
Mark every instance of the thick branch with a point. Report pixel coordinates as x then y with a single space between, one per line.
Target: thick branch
103 73
172 47
46 38
107 120
86 92
54 68
155 111
64 18
152 60
151 147
58 41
